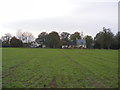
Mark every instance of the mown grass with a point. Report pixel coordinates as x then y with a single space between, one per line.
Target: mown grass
59 68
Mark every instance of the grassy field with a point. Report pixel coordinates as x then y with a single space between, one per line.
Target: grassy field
59 68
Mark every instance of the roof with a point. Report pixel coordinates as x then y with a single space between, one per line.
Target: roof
72 43
81 42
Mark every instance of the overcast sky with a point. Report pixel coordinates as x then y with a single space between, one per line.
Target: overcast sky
36 16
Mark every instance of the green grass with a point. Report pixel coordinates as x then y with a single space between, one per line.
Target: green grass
59 68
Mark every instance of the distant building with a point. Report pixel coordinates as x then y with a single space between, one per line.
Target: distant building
34 44
70 44
81 43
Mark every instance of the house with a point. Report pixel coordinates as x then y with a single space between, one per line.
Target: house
69 44
81 43
34 44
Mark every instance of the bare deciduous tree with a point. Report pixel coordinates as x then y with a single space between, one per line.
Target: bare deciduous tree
6 37
26 37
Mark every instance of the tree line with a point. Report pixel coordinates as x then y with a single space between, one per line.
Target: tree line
105 39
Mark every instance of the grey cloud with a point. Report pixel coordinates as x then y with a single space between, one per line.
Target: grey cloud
90 19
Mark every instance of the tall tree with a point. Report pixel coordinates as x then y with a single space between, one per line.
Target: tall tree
114 44
98 40
117 39
107 38
89 41
14 42
26 37
65 38
6 40
54 40
75 36
104 39
42 38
